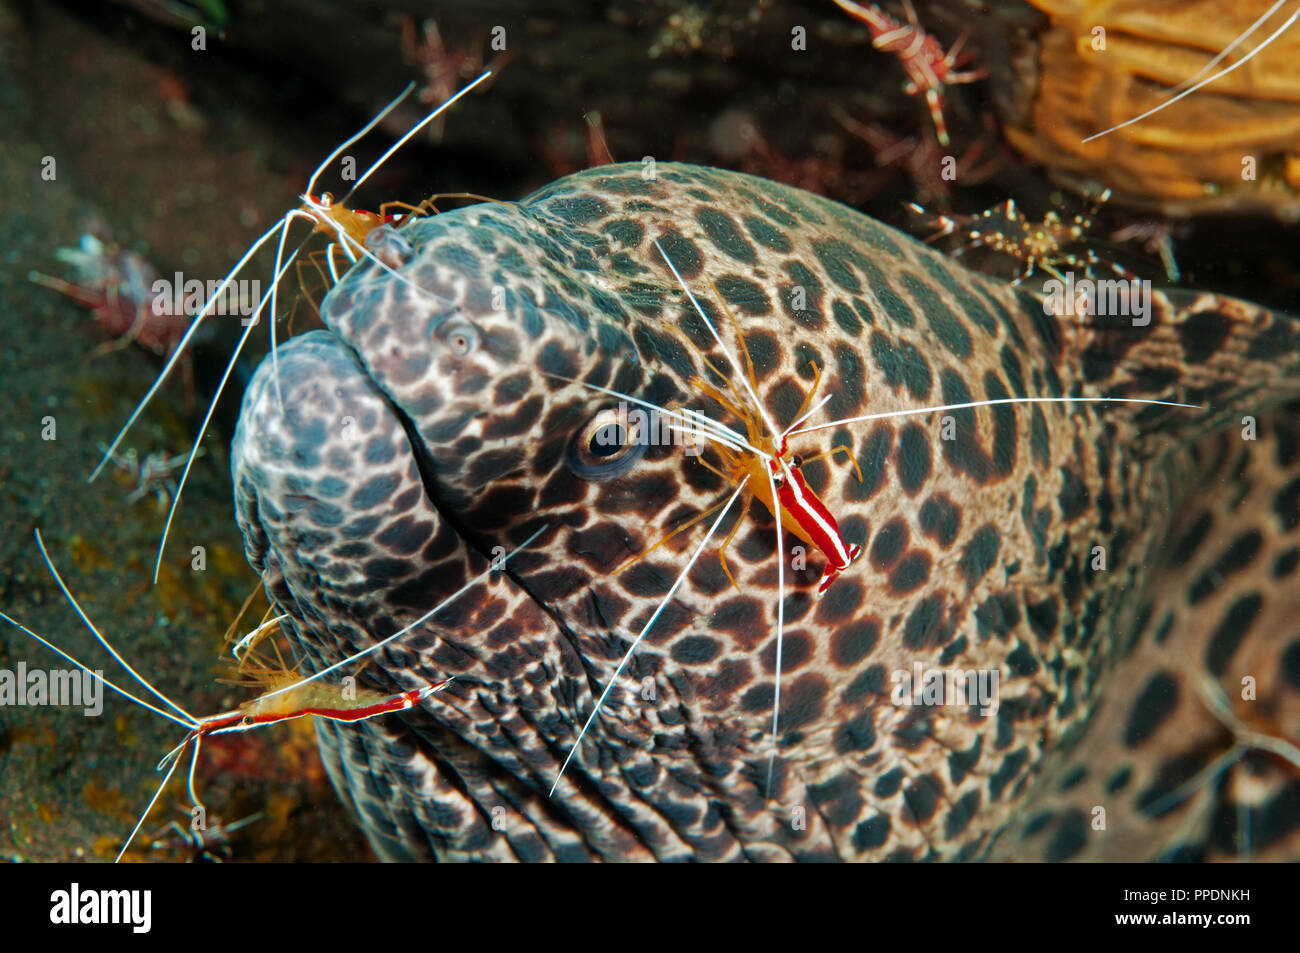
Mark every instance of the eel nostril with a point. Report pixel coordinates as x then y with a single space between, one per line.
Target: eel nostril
462 337
386 244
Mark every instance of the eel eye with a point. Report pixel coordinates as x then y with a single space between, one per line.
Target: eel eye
607 445
461 337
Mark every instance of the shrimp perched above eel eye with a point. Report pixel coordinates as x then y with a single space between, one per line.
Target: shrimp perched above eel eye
353 230
769 471
759 463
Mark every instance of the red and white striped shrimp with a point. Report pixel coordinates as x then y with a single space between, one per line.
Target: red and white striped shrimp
287 696
765 455
929 69
349 227
760 465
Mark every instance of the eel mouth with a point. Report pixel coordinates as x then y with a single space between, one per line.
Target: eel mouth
346 522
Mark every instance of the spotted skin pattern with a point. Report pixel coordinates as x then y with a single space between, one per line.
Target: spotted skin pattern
429 429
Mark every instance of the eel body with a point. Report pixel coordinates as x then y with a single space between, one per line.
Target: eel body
1115 568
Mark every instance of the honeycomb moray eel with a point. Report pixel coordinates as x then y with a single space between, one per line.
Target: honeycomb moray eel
1108 561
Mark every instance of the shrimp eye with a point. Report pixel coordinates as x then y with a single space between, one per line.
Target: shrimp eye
461 337
796 461
607 445
246 721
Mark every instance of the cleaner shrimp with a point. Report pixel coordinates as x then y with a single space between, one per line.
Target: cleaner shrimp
351 228
289 696
755 458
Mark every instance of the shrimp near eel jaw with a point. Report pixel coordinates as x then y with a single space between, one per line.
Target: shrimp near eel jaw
289 697
760 465
350 227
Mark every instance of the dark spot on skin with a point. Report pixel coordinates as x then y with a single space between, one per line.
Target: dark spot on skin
1021 661
882 350
831 255
1119 780
1070 838
745 296
959 817
803 702
1287 447
766 235
1043 617
1285 564
947 327
374 491
940 519
742 617
871 833
1291 665
961 763
922 797
405 536
775 212
578 210
1074 495
1156 701
872 461
980 554
887 784
888 544
1231 630
1239 554
901 364
845 318
1188 543
998 615
557 360
627 232
726 235
1287 505
683 253
1036 824
517 423
810 315
1004 426
695 650
380 451
1155 799
1039 444
456 257
1010 768
854 642
840 603
925 625
1203 334
894 308
913 458
796 650
856 734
